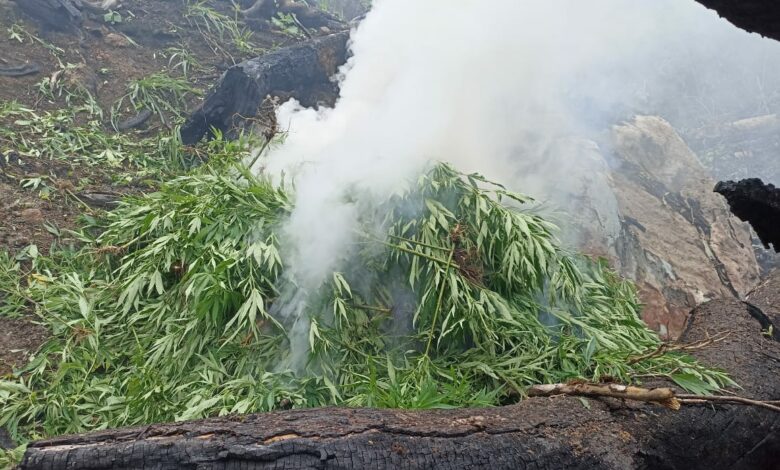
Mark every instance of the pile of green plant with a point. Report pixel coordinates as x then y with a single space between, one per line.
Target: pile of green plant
463 298
78 136
220 31
159 93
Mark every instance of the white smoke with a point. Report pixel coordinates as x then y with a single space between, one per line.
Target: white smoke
489 85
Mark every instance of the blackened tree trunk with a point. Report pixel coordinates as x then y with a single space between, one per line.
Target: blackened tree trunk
757 203
302 71
561 432
756 16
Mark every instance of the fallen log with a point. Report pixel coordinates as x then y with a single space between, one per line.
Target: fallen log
755 16
556 432
757 203
299 71
19 70
54 15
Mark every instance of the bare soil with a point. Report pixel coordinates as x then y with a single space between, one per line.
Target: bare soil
19 338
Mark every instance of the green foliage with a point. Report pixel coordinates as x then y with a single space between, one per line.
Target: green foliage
455 296
76 136
160 93
12 457
288 24
219 30
53 88
12 299
17 32
181 58
112 17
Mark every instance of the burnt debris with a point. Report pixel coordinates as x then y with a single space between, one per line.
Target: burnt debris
757 203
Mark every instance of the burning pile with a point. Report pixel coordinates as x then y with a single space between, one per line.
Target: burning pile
454 296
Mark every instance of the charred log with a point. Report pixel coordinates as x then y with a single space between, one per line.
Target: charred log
302 71
19 70
559 432
136 121
54 15
758 16
757 203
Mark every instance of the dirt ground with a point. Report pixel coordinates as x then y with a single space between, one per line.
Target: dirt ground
19 338
102 58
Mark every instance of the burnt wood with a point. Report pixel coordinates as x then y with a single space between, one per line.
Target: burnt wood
757 16
54 15
299 71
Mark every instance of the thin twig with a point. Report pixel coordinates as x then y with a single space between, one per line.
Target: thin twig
669 347
438 302
407 250
427 245
663 396
259 153
372 308
725 399
300 25
86 206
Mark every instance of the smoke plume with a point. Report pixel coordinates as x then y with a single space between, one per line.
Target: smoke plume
498 87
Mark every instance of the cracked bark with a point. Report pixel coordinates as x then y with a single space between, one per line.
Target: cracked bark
537 433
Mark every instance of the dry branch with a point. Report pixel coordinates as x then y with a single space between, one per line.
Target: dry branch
676 347
770 404
665 397
662 396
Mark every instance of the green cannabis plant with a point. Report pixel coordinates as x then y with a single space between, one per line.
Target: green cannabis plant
453 293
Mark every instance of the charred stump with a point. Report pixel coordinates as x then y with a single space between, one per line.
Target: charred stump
757 203
302 71
558 432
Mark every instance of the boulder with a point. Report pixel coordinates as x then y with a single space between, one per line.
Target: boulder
647 205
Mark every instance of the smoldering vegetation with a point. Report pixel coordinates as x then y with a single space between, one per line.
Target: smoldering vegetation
351 267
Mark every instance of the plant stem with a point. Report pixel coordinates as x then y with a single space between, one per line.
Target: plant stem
438 303
410 251
408 240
